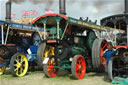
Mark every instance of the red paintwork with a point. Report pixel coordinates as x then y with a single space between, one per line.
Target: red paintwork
80 67
46 15
50 67
118 47
10 44
102 49
51 41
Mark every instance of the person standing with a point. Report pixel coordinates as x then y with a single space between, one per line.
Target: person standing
108 54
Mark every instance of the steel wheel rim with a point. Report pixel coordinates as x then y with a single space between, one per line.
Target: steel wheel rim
104 46
2 69
80 67
20 65
50 67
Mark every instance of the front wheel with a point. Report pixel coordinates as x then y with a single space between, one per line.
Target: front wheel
19 65
78 67
49 66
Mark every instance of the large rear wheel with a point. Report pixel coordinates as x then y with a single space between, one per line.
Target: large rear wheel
99 62
78 67
48 66
19 65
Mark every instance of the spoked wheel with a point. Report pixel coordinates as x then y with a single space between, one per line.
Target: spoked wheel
2 68
42 53
99 46
19 65
49 69
78 67
112 70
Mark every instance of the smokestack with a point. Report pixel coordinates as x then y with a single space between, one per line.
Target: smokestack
126 7
62 9
8 11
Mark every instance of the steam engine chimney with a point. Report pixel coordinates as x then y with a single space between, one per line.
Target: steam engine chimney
126 7
62 9
8 11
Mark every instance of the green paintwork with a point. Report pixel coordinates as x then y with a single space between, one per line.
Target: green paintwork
79 48
91 38
44 20
64 64
53 32
58 19
84 24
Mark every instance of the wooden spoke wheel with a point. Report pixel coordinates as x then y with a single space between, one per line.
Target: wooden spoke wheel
49 69
19 65
78 67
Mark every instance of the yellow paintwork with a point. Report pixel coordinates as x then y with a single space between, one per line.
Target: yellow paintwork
20 66
48 51
2 69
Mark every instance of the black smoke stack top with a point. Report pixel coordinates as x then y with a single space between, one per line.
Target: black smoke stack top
62 9
8 11
126 7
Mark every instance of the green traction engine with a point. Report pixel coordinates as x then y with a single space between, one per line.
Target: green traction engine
68 44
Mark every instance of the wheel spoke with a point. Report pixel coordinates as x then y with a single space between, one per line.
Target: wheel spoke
105 45
21 69
16 69
17 61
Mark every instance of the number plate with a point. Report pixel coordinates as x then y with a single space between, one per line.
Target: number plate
45 60
29 51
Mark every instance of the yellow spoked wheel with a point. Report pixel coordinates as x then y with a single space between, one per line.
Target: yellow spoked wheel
19 65
2 68
48 51
42 53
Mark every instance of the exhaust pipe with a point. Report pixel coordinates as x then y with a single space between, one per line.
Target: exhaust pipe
126 7
62 9
8 11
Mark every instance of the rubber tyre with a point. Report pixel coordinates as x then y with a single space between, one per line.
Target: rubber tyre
14 62
75 64
45 68
94 63
110 76
40 52
97 57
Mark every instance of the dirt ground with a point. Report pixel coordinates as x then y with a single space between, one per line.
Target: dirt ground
63 78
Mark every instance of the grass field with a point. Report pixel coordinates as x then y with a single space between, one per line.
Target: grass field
63 78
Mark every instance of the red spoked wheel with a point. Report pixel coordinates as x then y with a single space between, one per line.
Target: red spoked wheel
104 46
48 67
99 46
78 67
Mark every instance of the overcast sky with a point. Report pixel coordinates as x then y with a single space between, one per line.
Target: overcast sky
94 9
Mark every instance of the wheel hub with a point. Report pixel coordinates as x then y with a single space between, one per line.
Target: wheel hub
19 65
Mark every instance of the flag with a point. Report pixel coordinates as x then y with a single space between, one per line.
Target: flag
48 11
13 15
